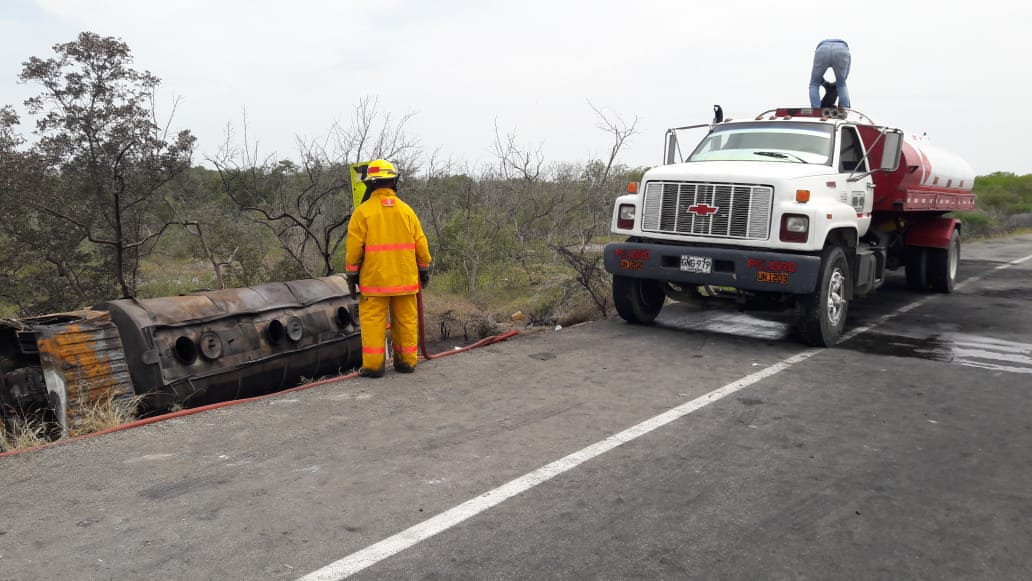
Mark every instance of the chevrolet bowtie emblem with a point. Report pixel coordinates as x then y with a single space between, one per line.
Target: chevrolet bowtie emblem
702 209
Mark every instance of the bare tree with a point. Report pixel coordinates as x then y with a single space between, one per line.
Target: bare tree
426 196
306 203
530 205
302 204
232 247
371 135
595 202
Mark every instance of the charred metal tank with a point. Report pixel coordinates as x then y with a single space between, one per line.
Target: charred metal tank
212 346
56 368
181 351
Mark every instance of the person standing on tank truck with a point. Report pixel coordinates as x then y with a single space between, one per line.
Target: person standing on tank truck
388 259
831 54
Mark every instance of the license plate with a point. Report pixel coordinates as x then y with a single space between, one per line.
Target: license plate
696 264
772 277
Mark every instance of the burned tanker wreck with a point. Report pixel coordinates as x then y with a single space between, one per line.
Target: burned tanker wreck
176 352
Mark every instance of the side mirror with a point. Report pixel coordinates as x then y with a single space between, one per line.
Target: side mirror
670 151
891 150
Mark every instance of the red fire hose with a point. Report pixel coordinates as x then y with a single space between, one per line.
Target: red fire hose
204 408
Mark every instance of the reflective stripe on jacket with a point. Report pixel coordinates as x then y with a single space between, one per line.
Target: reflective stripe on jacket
386 245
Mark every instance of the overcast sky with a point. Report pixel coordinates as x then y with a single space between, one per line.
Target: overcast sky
955 71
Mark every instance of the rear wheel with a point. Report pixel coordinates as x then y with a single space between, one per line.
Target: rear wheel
943 264
915 261
637 300
821 315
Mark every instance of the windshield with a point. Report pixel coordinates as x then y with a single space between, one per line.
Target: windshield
780 142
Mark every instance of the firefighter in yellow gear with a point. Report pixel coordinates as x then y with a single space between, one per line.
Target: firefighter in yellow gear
388 259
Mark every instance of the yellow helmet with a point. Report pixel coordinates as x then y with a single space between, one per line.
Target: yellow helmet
380 169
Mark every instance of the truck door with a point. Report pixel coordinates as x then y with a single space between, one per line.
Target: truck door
858 193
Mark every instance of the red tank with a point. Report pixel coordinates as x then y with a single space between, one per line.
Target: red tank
928 179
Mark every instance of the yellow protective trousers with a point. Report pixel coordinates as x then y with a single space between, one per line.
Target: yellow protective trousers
404 316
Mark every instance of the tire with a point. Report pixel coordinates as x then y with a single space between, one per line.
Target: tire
637 300
821 315
943 264
915 262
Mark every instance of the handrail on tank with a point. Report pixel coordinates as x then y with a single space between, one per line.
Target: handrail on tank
826 112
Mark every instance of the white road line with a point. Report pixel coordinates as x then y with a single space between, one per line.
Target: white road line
979 277
393 545
374 553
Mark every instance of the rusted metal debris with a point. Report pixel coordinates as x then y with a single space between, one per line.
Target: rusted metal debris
180 351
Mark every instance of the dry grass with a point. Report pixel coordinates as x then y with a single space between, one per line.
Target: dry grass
457 318
450 317
88 417
26 434
104 413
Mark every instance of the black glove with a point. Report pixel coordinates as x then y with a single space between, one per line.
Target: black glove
424 278
352 278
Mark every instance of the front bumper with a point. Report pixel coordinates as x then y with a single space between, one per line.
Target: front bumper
741 268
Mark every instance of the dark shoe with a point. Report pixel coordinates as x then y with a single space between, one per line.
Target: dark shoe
404 367
365 372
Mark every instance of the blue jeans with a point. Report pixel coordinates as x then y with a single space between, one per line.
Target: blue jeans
835 56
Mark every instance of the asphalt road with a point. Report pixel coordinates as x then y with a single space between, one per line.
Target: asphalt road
708 446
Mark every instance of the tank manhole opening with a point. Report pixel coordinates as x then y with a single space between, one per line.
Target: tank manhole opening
186 350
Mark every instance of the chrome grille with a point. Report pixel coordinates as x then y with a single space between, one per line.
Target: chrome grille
738 211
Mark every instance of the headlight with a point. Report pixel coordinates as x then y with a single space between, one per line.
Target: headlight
625 217
795 228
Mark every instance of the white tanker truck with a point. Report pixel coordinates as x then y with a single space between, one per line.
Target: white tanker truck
803 207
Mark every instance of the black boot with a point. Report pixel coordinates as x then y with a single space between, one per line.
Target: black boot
366 372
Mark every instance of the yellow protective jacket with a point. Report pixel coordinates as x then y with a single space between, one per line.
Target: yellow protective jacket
386 246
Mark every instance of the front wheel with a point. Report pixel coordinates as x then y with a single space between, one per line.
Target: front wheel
943 263
637 300
821 315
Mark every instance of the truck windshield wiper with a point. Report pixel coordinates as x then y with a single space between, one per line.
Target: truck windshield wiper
780 155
